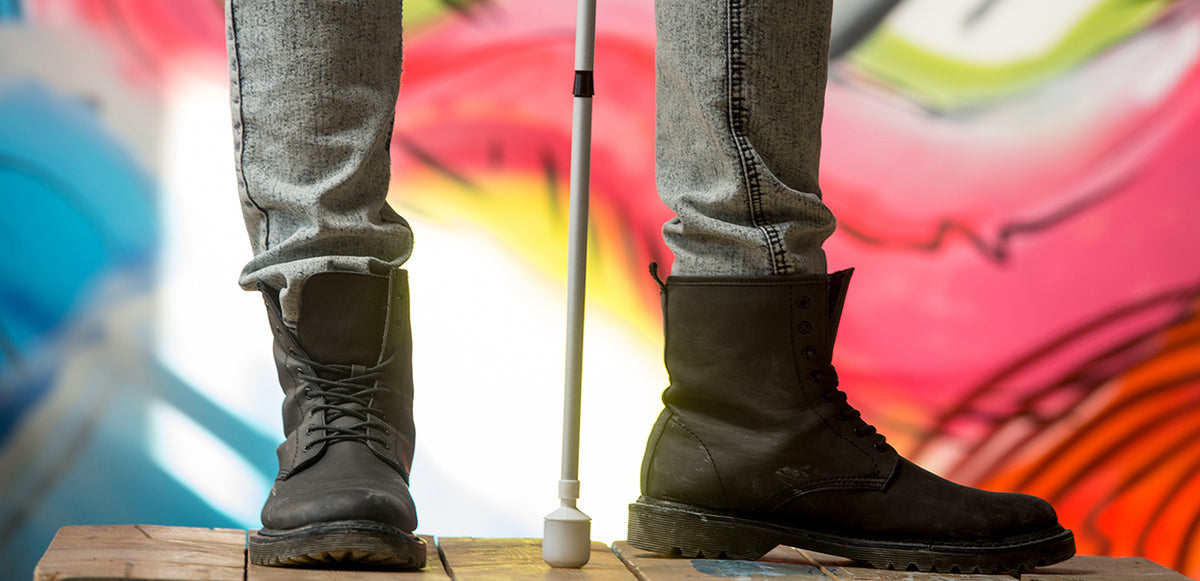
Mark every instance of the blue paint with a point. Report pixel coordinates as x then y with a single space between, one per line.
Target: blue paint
755 569
10 10
256 448
77 210
79 218
112 479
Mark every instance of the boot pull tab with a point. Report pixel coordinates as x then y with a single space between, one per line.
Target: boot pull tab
662 287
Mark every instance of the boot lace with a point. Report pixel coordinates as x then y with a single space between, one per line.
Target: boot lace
826 376
345 391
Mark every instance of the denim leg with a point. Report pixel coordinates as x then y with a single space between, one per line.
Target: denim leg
741 94
313 86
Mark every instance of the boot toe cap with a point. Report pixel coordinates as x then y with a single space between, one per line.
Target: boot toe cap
919 506
347 483
946 509
291 507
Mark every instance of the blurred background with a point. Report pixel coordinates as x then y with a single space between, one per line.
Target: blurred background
1013 179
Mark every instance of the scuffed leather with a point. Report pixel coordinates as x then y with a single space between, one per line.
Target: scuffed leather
748 431
741 393
348 319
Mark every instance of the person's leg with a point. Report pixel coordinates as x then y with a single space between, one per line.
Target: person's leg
313 95
756 445
738 134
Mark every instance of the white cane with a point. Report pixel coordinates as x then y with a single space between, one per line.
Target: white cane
566 538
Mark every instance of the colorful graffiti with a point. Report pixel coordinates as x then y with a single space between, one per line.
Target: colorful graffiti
1020 228
1043 224
1012 180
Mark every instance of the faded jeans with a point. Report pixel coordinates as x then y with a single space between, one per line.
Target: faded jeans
740 97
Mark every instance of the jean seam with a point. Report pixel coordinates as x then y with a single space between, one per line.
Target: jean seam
240 126
737 122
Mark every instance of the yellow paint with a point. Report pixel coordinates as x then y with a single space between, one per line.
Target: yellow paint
521 214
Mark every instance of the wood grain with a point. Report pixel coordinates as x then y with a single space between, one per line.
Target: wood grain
840 568
783 563
148 552
143 552
469 558
1092 568
786 563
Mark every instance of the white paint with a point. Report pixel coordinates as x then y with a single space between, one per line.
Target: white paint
1167 65
202 462
212 334
1008 30
488 366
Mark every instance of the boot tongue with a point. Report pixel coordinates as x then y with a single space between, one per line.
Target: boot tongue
342 318
839 283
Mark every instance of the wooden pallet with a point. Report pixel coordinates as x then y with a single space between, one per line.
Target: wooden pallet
788 563
147 552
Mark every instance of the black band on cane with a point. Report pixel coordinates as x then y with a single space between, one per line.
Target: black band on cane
583 84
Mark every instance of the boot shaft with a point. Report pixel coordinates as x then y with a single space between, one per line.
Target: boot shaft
759 447
354 331
753 413
345 317
723 333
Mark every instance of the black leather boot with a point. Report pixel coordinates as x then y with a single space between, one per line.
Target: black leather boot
757 447
341 496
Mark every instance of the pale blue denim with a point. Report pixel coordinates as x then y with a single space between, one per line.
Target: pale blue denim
741 88
313 86
741 94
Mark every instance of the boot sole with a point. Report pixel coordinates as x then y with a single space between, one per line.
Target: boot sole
695 532
342 544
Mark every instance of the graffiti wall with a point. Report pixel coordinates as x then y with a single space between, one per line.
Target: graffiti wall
1013 180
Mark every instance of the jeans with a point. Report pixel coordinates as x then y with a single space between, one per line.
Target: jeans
740 97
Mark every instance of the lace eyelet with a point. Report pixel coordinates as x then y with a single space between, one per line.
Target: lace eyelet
805 327
808 353
815 375
308 432
804 302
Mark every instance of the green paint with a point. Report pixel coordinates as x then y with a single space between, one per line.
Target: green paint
418 13
942 82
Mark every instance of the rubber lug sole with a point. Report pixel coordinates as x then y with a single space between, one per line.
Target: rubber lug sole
693 532
342 544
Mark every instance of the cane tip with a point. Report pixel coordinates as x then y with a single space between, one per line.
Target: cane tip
567 538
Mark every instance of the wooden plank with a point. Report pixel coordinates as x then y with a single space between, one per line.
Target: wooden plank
521 559
433 571
1091 568
143 552
788 563
97 553
839 567
784 563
